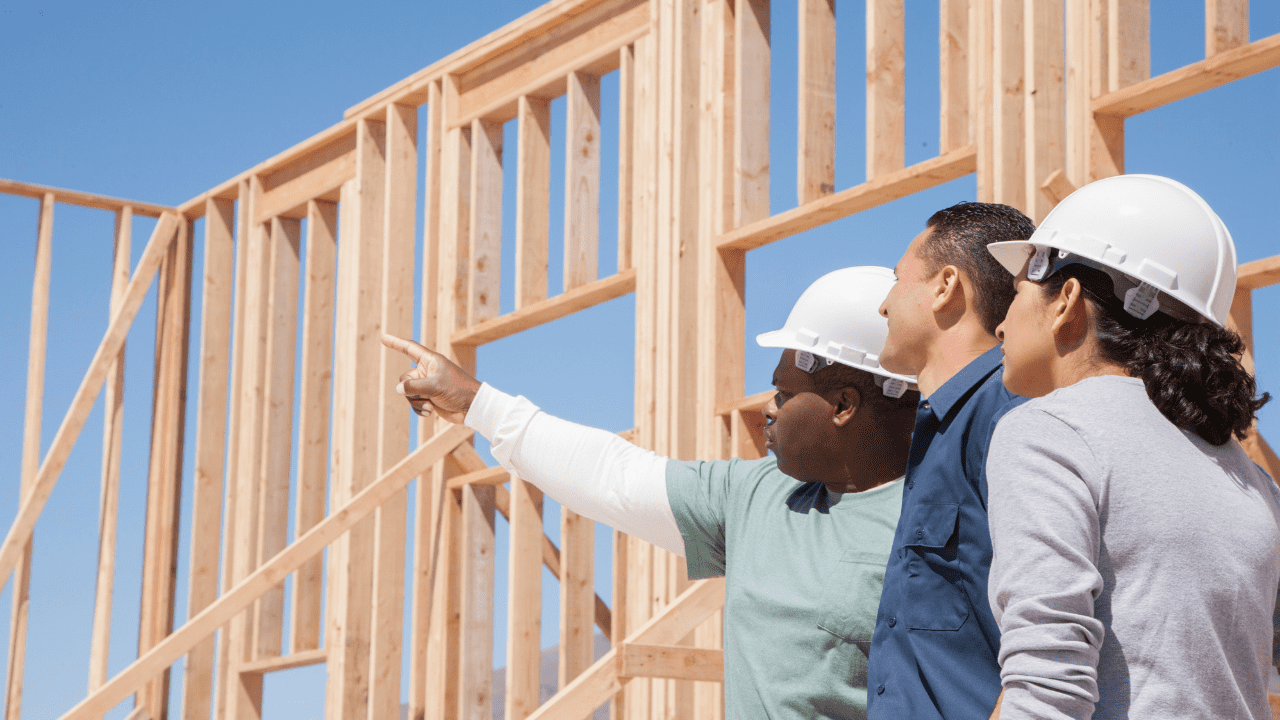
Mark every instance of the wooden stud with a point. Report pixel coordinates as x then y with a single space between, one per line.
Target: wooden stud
1056 187
886 87
393 430
816 161
243 693
164 479
1128 42
486 221
211 423
313 422
475 677
236 599
533 200
981 76
1226 25
577 595
1105 133
1078 93
428 499
751 111
277 423
356 410
1045 129
582 181
112 442
626 146
223 685
524 600
955 131
286 662
37 349
1008 120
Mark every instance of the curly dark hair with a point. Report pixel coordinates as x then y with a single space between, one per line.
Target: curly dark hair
960 237
1192 371
837 375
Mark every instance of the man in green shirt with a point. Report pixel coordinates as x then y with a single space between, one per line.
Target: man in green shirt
802 539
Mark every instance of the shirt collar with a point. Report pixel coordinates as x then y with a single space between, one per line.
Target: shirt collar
957 388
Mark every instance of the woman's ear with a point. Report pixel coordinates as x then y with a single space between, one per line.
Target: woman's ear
846 401
1069 314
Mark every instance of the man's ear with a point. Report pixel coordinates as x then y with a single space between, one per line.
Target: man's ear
946 287
847 401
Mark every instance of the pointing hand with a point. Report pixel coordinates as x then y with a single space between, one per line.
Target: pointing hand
435 383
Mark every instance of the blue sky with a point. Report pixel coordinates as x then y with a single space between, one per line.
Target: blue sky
160 102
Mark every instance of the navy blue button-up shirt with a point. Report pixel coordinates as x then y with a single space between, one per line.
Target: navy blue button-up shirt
933 654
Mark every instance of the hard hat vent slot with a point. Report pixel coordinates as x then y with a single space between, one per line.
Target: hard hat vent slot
1158 275
807 337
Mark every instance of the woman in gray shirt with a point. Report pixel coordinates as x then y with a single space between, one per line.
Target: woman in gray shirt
1136 546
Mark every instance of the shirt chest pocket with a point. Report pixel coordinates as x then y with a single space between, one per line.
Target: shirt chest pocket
935 600
851 596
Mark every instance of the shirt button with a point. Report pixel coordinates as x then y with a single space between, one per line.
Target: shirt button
880 690
919 534
893 621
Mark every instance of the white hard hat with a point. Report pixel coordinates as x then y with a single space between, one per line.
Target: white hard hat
1171 250
837 319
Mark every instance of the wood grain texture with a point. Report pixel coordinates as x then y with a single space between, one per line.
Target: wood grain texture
1009 147
211 413
1225 67
670 661
356 411
816 132
524 600
954 126
533 200
1226 25
751 111
886 87
475 678
164 477
626 150
485 279
277 422
1043 111
582 180
905 182
391 519
545 311
315 389
577 595
1128 42
340 521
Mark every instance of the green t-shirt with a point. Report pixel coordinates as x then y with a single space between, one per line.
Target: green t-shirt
803 570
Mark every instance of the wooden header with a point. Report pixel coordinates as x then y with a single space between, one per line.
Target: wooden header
83 199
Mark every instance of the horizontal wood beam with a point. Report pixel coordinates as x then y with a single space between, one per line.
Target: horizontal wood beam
269 574
1212 72
1259 273
299 659
747 404
542 71
73 422
889 187
488 476
543 312
601 681
670 661
315 176
556 18
83 199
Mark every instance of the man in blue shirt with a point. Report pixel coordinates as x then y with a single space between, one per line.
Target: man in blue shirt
935 645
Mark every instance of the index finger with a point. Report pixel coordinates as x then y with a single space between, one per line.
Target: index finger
416 352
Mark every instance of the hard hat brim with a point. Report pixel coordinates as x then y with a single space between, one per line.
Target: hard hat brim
1012 254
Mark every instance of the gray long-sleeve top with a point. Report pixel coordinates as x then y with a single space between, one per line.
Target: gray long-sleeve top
1135 565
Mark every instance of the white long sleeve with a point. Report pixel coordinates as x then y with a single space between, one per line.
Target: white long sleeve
592 472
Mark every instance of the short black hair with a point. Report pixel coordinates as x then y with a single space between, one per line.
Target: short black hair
960 237
838 375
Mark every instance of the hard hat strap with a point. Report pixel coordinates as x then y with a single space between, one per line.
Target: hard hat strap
1139 298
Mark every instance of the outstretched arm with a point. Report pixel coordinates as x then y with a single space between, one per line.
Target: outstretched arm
592 472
